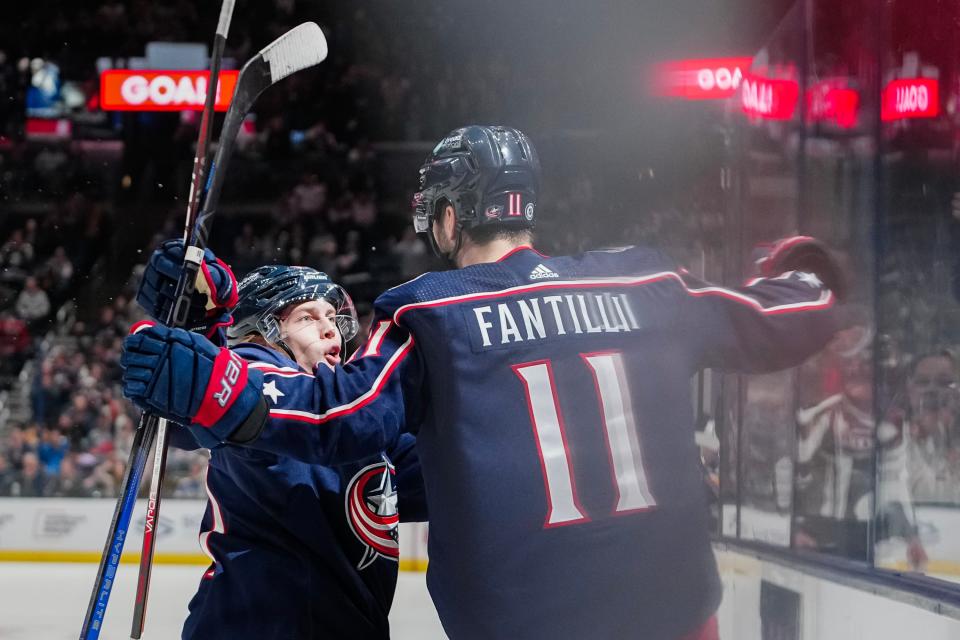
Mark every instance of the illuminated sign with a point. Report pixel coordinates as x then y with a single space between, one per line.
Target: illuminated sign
767 98
832 101
702 79
125 90
44 129
910 98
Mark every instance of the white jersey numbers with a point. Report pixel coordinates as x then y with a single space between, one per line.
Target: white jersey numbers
619 432
562 504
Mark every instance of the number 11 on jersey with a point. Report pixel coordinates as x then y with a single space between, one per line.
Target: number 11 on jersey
619 432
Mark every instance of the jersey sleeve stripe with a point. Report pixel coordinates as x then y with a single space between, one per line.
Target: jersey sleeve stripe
376 339
825 299
218 526
269 369
357 404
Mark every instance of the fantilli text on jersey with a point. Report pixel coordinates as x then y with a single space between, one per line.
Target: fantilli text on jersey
538 318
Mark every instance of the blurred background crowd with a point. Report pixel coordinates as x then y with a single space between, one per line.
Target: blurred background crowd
324 173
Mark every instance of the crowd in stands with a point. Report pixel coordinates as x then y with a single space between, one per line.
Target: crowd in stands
79 430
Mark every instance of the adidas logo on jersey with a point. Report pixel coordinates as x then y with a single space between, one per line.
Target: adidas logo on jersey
540 272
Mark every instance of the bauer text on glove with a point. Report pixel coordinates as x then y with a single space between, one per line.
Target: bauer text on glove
184 377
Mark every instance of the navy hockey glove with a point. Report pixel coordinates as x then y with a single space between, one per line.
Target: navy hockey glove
803 253
214 297
183 377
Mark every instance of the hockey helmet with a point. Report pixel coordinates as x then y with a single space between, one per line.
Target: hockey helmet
491 176
267 290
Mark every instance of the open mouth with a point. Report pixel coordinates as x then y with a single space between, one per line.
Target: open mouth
332 357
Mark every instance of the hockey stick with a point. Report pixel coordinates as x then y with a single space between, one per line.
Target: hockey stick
146 431
299 48
197 180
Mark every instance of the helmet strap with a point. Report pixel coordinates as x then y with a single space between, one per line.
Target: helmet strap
448 256
285 347
452 255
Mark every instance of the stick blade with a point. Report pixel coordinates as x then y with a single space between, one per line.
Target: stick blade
301 47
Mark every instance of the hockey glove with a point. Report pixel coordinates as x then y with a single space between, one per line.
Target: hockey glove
803 253
214 297
183 377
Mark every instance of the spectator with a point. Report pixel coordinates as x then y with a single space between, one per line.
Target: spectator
105 478
108 325
192 485
16 258
933 450
59 270
835 478
6 475
309 197
16 446
32 481
14 343
69 483
33 304
52 449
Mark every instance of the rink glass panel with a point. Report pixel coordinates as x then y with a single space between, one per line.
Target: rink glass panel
918 315
857 452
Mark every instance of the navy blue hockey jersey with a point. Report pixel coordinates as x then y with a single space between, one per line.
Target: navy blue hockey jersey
551 402
302 550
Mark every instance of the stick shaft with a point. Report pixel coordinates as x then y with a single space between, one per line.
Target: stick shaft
201 169
147 430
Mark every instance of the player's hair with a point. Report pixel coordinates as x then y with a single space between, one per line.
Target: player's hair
256 338
488 233
484 234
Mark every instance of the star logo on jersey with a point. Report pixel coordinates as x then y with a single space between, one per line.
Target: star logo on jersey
371 505
270 390
810 279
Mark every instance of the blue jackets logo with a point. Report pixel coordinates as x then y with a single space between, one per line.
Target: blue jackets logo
371 505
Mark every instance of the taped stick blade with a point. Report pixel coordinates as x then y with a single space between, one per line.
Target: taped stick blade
301 47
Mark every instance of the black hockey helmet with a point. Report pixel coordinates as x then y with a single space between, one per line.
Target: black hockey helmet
491 176
267 290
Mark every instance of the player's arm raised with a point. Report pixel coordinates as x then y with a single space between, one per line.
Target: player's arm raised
774 321
324 417
343 414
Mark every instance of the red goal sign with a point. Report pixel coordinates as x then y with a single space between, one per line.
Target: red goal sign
700 79
910 98
128 90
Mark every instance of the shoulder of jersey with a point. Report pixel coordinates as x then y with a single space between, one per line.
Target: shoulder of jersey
622 261
260 353
435 285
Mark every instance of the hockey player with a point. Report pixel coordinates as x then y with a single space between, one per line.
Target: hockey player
298 550
550 397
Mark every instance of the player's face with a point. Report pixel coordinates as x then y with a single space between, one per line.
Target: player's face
310 330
